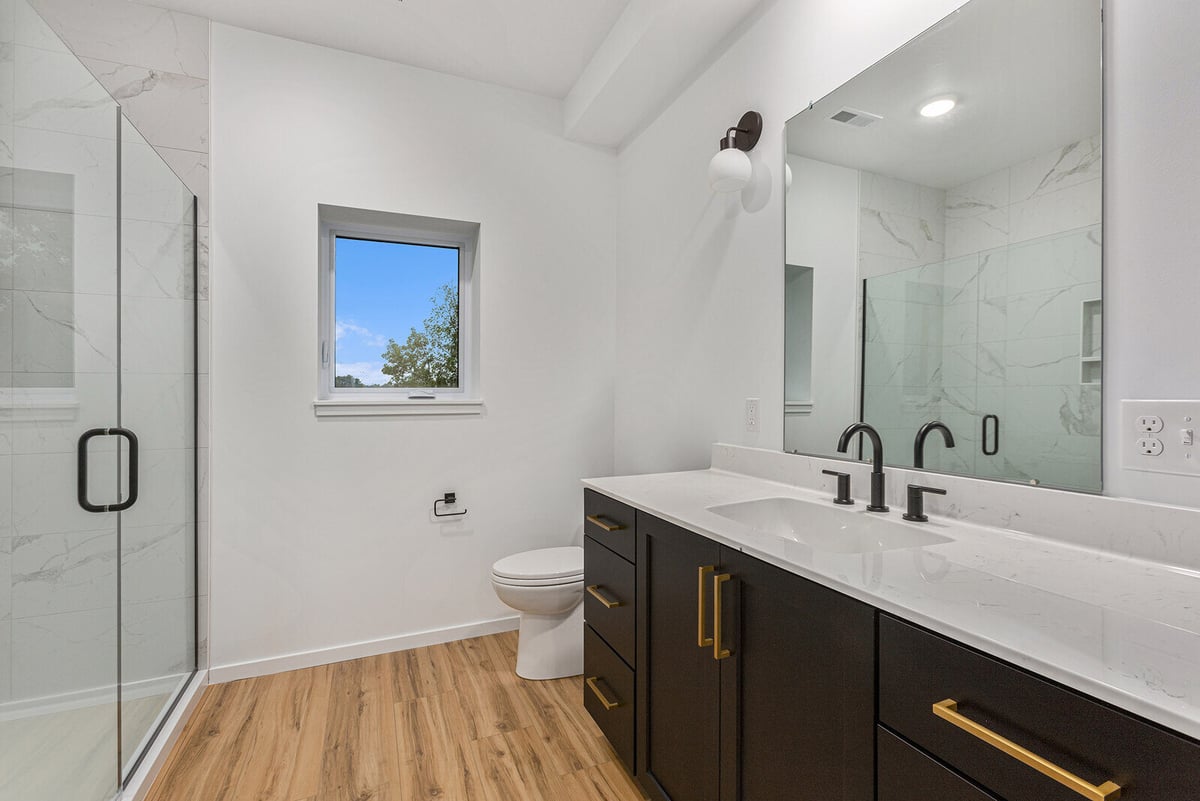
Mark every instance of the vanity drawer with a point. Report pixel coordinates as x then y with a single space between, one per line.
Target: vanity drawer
609 601
608 694
1086 738
906 773
610 522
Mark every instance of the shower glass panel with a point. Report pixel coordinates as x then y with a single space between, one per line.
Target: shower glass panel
58 377
158 402
97 605
1006 334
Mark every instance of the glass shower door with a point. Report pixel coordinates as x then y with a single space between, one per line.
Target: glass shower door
158 402
97 350
58 378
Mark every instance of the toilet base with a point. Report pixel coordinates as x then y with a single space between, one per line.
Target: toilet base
550 646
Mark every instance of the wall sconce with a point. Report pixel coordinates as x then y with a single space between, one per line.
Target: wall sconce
730 170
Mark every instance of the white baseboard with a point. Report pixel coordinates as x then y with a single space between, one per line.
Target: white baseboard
156 756
340 653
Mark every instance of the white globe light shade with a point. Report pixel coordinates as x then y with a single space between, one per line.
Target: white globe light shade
729 170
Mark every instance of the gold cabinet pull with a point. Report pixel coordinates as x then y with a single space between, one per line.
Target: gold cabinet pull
595 688
598 520
948 710
594 591
718 652
702 639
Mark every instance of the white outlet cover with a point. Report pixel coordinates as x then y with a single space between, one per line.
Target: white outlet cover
752 414
1152 436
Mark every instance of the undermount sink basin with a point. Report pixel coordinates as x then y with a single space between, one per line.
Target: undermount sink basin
826 528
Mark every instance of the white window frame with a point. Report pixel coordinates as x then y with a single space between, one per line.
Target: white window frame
406 229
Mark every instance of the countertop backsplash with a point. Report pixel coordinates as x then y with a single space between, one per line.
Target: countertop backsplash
1123 526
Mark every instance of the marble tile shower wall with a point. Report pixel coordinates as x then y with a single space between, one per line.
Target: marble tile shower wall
58 564
57 311
901 253
1033 232
997 326
155 63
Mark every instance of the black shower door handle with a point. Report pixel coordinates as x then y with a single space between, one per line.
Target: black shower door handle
995 435
82 457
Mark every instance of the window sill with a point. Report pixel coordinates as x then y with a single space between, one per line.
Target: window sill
400 407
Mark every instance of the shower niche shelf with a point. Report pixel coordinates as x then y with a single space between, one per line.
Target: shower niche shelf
1090 335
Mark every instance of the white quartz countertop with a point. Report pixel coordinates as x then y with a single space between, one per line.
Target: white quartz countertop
1124 630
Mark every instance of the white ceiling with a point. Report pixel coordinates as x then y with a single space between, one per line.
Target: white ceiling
614 62
1026 73
536 45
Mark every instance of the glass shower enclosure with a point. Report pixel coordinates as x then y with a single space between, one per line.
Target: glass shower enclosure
97 428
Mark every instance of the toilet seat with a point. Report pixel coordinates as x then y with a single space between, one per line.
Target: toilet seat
553 582
544 567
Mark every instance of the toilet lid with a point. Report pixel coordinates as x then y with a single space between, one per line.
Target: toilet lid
544 563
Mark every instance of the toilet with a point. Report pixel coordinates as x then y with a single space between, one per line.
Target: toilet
546 587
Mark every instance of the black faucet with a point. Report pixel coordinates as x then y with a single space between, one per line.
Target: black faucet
877 494
923 432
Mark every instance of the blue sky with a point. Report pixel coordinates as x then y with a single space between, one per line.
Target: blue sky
383 290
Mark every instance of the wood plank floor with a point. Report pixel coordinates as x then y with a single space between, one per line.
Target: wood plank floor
450 722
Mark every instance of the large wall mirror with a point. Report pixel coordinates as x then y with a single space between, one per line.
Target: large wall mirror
944 249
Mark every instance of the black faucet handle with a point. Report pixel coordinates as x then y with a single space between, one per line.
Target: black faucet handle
843 487
916 502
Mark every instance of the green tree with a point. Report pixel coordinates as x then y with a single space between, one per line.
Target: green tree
428 358
347 381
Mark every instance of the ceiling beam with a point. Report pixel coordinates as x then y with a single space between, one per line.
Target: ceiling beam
652 50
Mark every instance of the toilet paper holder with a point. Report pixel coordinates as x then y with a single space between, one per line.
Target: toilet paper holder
449 500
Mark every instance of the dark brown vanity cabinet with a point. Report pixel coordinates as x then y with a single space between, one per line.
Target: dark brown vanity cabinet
679 720
720 677
905 773
610 613
1020 736
754 683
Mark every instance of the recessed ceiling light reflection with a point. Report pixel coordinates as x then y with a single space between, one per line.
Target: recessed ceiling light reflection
938 107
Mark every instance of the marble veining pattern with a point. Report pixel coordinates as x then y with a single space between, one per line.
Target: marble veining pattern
170 110
1103 602
58 304
1022 255
153 61
132 33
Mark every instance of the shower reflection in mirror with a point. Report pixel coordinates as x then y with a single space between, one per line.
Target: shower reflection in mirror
948 267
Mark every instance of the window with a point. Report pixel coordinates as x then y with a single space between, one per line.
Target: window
397 314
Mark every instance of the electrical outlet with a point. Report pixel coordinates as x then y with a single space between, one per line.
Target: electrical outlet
1159 436
752 414
1149 446
1149 423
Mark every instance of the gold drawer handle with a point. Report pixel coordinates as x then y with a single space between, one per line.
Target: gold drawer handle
702 638
719 653
599 521
595 688
594 591
948 710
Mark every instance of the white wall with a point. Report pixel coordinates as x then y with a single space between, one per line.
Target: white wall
321 529
700 319
822 233
700 280
1152 242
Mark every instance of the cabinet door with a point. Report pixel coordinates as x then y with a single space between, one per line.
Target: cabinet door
678 680
797 689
